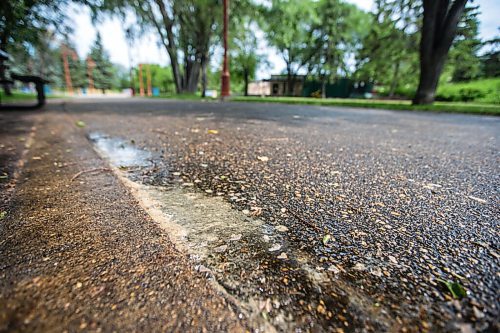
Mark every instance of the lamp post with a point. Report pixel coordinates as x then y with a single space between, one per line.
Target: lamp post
129 37
225 90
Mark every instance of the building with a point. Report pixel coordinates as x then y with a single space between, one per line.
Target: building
259 88
342 88
277 85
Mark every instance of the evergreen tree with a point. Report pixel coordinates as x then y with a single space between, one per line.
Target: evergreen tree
463 56
490 60
103 71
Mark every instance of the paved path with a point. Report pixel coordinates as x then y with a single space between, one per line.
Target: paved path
258 216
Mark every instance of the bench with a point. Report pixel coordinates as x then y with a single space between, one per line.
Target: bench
38 81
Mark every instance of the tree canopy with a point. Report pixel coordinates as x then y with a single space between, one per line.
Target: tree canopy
324 40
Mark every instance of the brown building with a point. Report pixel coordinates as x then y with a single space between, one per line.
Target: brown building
277 85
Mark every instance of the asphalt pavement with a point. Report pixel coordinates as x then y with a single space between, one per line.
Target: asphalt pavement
298 218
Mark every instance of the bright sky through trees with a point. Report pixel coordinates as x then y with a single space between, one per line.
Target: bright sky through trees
147 50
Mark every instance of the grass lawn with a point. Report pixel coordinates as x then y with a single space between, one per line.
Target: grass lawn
187 97
21 97
17 97
457 107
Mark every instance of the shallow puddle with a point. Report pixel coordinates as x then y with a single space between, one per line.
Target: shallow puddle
119 152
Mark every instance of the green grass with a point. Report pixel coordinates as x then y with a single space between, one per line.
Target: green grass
187 97
457 107
17 97
21 97
478 91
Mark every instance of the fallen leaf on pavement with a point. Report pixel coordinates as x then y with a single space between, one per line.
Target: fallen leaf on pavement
235 237
376 271
221 249
334 269
283 255
456 290
359 267
281 228
326 239
275 247
478 199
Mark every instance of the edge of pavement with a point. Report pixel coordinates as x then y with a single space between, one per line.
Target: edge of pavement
77 252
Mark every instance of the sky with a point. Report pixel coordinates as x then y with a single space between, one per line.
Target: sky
147 50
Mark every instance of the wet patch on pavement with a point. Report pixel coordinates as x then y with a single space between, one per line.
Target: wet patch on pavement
119 152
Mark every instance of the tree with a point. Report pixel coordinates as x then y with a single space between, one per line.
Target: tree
439 27
76 67
161 77
463 56
102 72
184 27
288 27
336 35
24 25
78 72
49 61
387 54
243 45
490 60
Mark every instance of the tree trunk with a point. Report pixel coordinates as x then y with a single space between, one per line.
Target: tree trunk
323 86
169 43
429 79
3 76
394 82
175 71
438 31
3 66
204 61
191 77
288 79
245 80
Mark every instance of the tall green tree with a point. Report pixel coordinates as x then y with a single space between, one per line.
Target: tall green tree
24 25
288 27
388 55
244 55
336 35
102 73
490 60
186 29
161 77
464 53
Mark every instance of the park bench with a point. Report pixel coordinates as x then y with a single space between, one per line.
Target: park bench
38 81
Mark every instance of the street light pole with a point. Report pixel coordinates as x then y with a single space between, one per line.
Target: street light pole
225 90
129 36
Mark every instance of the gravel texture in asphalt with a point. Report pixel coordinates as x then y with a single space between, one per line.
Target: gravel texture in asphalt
77 253
358 217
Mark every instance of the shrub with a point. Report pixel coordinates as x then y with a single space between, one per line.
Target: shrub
483 91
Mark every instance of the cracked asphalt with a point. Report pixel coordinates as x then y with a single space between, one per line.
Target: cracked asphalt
366 213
